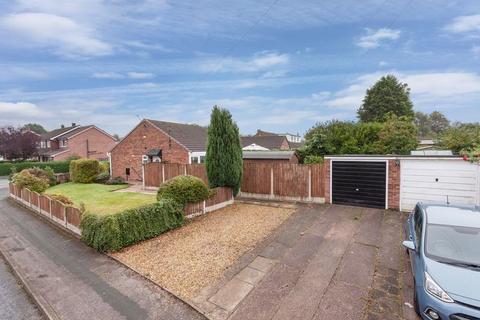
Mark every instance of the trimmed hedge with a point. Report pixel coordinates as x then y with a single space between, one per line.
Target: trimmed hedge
57 166
25 179
116 231
184 189
84 170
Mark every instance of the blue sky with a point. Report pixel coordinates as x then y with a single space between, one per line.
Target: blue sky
276 65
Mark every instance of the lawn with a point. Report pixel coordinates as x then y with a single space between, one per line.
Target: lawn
100 198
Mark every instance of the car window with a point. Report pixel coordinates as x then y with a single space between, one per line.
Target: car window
418 224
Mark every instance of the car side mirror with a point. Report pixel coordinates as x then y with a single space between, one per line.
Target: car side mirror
409 245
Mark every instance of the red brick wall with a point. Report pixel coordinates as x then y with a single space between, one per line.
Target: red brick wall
327 181
128 153
98 144
285 145
393 185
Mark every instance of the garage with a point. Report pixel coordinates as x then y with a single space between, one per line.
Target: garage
437 180
359 182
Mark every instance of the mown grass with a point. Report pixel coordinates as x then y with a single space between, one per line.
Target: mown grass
99 198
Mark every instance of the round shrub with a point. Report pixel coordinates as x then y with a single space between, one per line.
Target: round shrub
61 198
102 177
184 189
24 179
105 166
84 170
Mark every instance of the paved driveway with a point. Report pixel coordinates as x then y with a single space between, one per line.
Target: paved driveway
325 262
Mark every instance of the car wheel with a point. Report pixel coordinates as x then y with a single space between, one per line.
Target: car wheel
415 300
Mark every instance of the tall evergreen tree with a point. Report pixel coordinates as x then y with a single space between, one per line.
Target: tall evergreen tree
387 96
224 161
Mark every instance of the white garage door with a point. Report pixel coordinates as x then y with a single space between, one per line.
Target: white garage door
433 180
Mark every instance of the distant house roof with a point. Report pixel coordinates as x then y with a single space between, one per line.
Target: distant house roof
269 142
269 155
267 133
295 145
49 135
254 147
192 136
431 152
70 133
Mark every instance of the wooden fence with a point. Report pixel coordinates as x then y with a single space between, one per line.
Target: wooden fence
274 181
222 198
65 216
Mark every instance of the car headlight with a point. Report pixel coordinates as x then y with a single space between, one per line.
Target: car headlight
434 289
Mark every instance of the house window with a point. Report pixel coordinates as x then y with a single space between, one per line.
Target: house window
43 144
202 159
48 143
63 143
194 160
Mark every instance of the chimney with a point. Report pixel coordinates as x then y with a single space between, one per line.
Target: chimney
73 124
62 126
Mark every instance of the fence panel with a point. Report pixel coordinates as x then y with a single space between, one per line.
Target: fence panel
34 199
26 195
44 203
222 194
290 180
153 174
18 191
256 178
199 171
318 180
173 169
58 210
74 216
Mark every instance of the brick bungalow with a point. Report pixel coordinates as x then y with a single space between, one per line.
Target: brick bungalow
83 141
264 143
157 141
270 157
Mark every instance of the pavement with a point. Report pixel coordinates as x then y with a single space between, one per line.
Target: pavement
324 262
72 281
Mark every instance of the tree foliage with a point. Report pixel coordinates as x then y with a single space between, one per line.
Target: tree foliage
439 123
387 96
223 160
398 135
35 127
461 137
17 144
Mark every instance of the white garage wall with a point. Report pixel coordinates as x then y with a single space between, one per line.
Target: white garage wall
432 180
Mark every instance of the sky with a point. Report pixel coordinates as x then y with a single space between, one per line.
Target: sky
277 65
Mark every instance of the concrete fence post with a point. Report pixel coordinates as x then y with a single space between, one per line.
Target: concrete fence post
309 183
50 208
163 173
185 169
143 175
29 198
65 215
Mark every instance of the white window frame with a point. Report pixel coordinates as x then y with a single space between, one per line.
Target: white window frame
197 155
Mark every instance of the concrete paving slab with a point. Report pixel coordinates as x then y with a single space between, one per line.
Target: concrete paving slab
262 264
274 251
299 255
250 275
358 265
370 226
231 294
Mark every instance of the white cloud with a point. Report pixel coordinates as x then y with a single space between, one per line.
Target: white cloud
107 75
427 89
464 24
64 35
261 61
374 38
383 63
140 75
14 110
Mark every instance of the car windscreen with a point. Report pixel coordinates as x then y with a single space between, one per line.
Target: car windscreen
451 244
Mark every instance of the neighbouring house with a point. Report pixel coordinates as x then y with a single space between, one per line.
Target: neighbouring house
75 140
265 143
294 141
427 144
157 141
270 157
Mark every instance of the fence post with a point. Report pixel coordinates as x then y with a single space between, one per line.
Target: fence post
163 173
143 175
309 183
185 169
271 181
65 215
29 198
50 208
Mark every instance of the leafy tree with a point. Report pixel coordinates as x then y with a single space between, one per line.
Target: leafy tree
424 124
398 136
116 136
461 137
386 96
224 161
17 144
35 127
439 123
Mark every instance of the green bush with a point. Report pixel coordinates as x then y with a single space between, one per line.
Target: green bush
312 159
25 179
105 166
116 180
113 232
57 166
184 189
102 177
61 198
84 170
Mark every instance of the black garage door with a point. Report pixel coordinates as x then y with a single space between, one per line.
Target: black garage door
359 183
